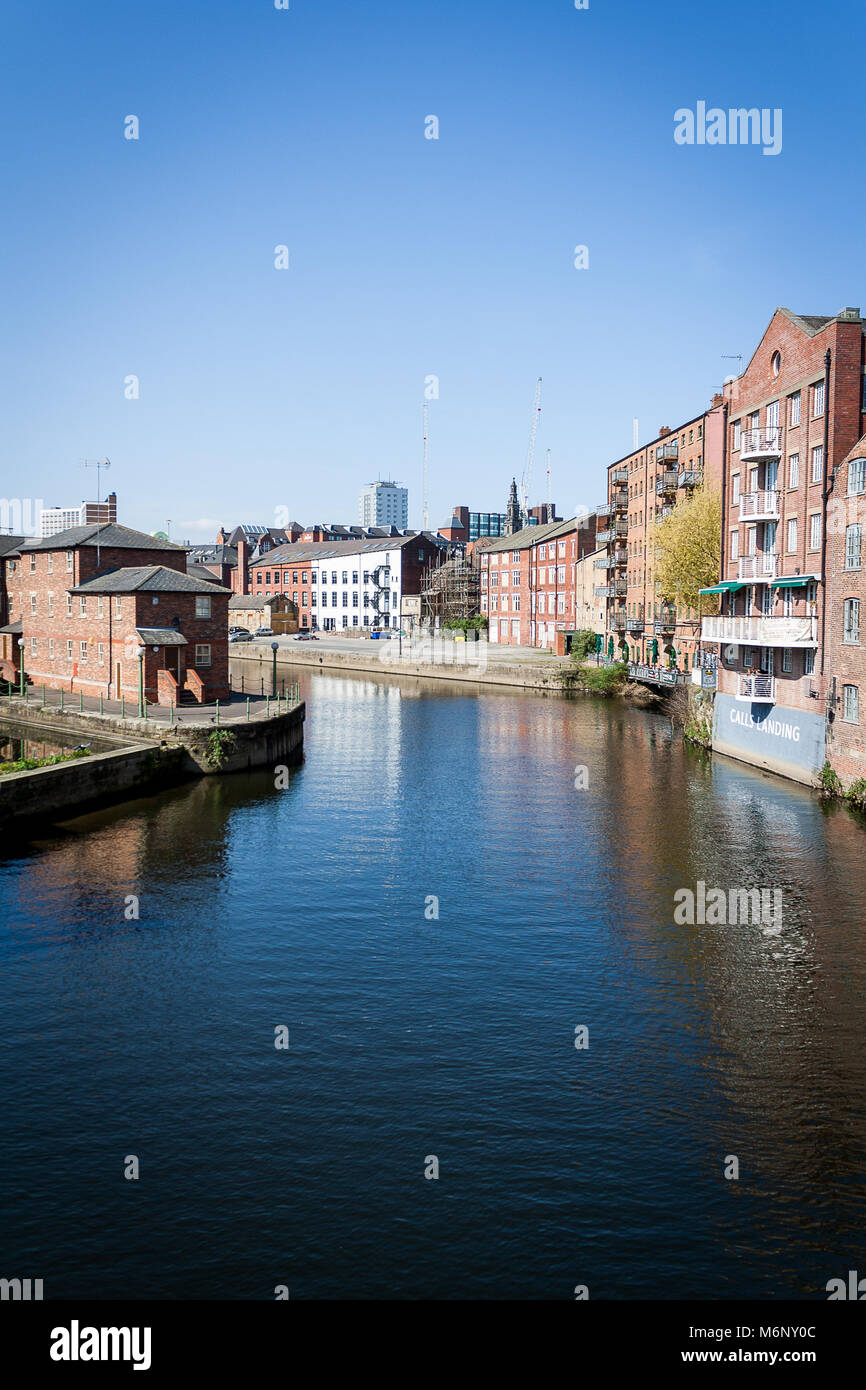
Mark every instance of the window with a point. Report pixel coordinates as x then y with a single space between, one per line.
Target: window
817 399
560 574
69 605
202 605
82 653
818 463
32 564
68 651
851 621
515 578
355 599
515 603
51 649
515 557
851 704
267 578
735 544
32 605
51 605
815 531
333 577
50 562
33 647
82 606
748 658
117 607
737 433
856 477
808 661
853 545
70 559
346 599
773 415
202 653
294 597
354 575
99 606
794 470
795 408
345 576
100 653
792 535
735 488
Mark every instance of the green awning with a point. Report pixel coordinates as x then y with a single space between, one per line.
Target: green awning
728 586
797 581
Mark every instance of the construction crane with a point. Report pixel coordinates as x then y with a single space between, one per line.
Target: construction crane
526 482
549 493
425 517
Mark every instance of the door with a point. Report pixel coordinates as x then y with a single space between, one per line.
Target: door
772 476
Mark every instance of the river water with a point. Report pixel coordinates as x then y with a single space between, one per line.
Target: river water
414 1037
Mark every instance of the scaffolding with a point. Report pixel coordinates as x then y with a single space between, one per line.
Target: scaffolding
450 590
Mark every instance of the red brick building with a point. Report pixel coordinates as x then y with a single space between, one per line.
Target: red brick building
644 487
844 633
102 607
793 418
528 582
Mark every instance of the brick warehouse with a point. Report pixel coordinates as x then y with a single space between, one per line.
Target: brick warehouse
528 583
793 417
99 604
644 487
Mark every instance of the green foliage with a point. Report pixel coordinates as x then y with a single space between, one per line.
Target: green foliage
687 551
856 794
828 781
582 645
476 624
28 764
603 680
220 746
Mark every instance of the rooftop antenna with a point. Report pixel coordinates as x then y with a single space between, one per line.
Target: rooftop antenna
425 517
99 464
734 357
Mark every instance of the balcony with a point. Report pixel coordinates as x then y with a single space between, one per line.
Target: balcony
618 620
759 506
664 511
666 481
618 504
616 590
758 568
615 532
757 444
665 622
635 625
619 475
761 632
614 561
760 689
667 453
690 477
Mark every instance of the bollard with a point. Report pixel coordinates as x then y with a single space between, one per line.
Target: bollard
100 704
43 697
81 702
123 706
61 699
267 707
171 711
217 712
248 709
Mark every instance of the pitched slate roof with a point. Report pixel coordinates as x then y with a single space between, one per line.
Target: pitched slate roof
110 536
533 535
161 637
9 545
148 579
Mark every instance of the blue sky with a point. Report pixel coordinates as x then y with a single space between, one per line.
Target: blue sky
262 388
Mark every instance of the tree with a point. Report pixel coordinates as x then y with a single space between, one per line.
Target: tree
687 549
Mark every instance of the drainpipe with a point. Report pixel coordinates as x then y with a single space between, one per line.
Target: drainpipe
829 475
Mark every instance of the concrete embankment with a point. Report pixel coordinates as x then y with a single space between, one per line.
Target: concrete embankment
147 757
454 661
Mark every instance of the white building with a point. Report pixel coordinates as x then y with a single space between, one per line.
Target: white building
384 504
55 519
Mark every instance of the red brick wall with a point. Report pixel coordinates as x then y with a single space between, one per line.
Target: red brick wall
845 662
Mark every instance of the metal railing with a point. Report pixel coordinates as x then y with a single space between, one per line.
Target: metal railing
759 688
759 566
666 481
761 443
759 504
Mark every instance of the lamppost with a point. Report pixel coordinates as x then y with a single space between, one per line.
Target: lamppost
141 651
275 648
21 661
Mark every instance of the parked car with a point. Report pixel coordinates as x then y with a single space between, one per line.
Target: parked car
264 632
237 629
305 637
240 637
